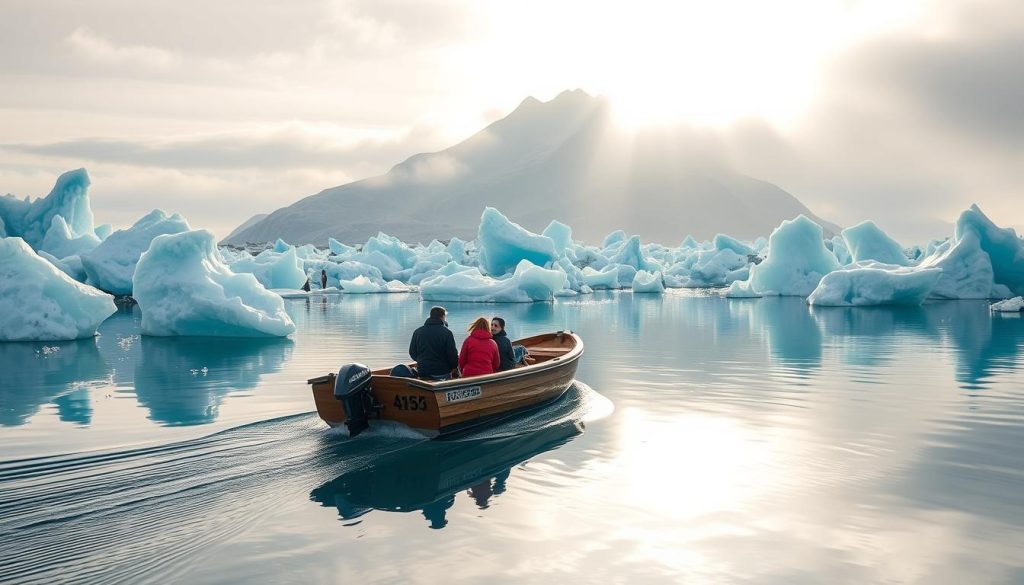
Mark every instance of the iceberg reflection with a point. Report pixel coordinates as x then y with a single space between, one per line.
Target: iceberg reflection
181 380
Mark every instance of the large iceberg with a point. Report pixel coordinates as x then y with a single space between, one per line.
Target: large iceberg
503 244
528 283
797 260
561 236
38 302
867 241
69 199
183 288
981 261
61 242
873 283
110 265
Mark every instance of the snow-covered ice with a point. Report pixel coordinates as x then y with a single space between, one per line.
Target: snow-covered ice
274 269
183 288
39 302
110 265
874 283
1014 305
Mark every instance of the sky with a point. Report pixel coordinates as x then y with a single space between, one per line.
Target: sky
900 112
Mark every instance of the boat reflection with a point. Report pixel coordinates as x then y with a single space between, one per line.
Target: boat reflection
426 477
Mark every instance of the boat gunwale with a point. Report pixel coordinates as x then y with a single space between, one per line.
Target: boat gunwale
570 356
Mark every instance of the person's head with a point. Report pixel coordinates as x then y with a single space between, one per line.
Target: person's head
438 313
479 323
323 272
497 325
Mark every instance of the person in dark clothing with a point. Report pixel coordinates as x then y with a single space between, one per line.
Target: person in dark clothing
305 287
323 279
433 347
508 360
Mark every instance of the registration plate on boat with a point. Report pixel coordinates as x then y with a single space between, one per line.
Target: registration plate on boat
462 394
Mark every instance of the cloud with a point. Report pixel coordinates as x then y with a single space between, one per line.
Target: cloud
97 49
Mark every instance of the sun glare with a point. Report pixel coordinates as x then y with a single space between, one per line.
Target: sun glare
704 63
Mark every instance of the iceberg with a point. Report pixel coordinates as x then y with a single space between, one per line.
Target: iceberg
981 261
724 242
38 302
528 283
873 283
183 288
797 260
338 248
616 237
110 265
1014 305
561 236
630 254
866 241
648 282
741 290
61 242
274 270
608 278
503 244
69 199
391 247
281 246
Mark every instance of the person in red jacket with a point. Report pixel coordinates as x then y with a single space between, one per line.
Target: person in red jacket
479 353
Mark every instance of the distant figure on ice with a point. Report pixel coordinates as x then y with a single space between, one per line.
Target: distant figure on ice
305 286
510 355
479 353
433 347
323 279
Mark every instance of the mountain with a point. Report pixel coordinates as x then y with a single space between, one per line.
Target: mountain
563 159
245 224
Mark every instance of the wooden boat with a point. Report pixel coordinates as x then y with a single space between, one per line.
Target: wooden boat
356 395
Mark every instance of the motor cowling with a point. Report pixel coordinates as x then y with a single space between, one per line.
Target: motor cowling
352 388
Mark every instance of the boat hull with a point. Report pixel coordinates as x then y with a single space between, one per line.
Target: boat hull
453 406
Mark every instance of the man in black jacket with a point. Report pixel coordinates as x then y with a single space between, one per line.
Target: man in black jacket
433 347
508 360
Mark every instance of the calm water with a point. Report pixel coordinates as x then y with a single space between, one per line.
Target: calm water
709 440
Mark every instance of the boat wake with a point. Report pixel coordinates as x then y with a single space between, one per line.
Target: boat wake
149 514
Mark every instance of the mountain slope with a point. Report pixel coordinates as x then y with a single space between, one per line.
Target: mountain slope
561 159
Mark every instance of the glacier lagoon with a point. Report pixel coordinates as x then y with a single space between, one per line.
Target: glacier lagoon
710 439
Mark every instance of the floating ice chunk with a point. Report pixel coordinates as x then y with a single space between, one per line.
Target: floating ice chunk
981 261
741 290
457 250
648 282
61 242
689 242
361 285
589 256
68 199
528 283
103 230
1004 248
724 242
281 246
274 270
391 247
503 244
183 288
561 236
718 268
608 278
1014 305
797 259
38 302
867 241
616 237
339 248
110 265
630 254
874 283
70 265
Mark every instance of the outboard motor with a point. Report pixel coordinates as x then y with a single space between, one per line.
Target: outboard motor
352 388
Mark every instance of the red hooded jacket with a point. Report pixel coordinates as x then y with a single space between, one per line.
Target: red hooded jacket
479 354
